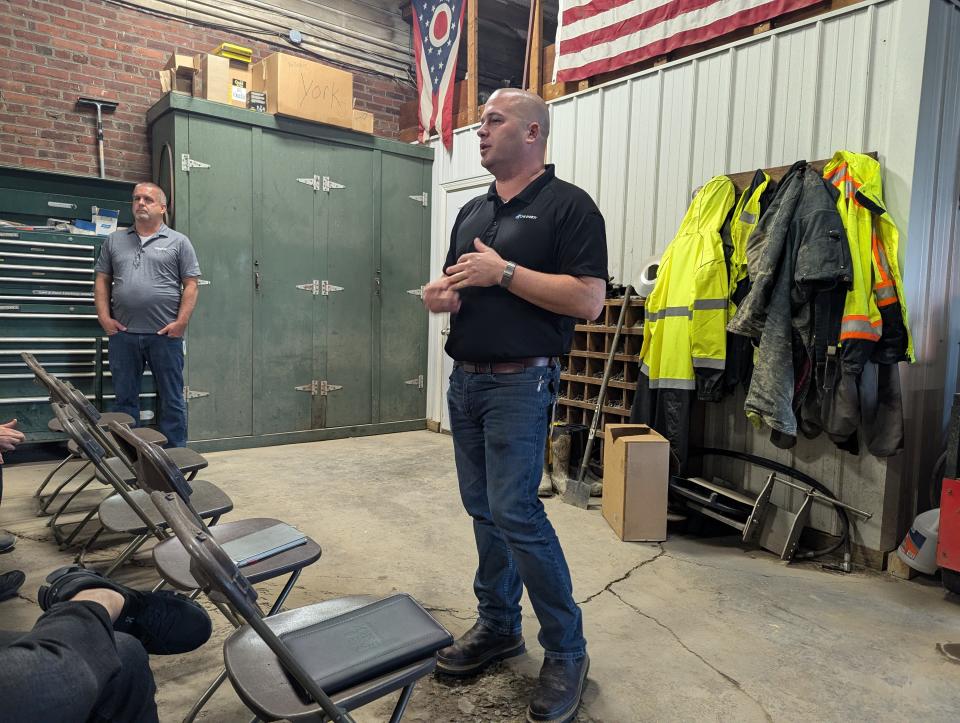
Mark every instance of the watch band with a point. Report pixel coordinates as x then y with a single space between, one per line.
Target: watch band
508 274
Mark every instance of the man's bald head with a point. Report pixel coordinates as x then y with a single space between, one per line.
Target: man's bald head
528 106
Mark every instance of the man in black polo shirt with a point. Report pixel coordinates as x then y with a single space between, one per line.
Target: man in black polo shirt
525 261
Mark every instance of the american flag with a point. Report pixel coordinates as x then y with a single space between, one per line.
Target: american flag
436 39
597 36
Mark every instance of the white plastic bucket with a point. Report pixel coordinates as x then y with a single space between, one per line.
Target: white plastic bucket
919 547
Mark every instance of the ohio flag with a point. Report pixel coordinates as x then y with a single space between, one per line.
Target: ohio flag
436 39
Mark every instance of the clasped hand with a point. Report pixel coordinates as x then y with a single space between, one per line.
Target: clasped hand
484 267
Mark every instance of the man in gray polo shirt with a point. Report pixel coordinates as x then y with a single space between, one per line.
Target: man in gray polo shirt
144 312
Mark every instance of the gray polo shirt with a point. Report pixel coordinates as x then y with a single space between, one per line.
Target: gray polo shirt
147 276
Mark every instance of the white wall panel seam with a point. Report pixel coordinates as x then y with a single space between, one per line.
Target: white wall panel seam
867 96
627 270
733 96
815 125
768 121
695 70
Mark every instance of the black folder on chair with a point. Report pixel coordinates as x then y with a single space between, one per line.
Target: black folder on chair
359 645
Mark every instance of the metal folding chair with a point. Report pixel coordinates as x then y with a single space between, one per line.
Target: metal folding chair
157 472
189 461
130 511
58 392
356 639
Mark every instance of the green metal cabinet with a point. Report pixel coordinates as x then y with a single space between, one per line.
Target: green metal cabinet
46 295
314 245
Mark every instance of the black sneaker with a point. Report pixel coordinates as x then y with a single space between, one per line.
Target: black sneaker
10 583
7 542
165 622
476 649
558 691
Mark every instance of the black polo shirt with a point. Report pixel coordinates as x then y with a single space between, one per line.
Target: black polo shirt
550 226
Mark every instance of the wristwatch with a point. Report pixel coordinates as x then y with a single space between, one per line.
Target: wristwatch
508 274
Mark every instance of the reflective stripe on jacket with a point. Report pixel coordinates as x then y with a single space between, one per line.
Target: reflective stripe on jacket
684 331
874 241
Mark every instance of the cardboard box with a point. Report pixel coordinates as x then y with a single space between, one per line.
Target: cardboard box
177 74
222 80
636 474
362 121
304 89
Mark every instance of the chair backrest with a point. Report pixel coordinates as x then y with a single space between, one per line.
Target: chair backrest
79 433
220 578
156 472
47 380
90 416
94 451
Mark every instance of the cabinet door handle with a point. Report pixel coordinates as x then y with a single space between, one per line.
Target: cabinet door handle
256 280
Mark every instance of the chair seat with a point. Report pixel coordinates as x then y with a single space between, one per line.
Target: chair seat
119 417
173 562
185 458
263 686
117 516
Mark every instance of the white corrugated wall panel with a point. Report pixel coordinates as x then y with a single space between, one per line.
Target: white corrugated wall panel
640 217
612 193
848 79
586 149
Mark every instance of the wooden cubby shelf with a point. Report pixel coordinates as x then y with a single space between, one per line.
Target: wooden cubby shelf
582 369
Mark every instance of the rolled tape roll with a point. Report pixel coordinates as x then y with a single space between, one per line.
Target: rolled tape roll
647 278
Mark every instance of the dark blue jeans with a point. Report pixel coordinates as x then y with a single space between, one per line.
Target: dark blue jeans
164 355
499 424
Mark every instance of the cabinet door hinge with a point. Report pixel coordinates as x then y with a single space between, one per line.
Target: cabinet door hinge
312 286
189 393
312 181
329 185
416 381
326 288
327 387
186 163
311 387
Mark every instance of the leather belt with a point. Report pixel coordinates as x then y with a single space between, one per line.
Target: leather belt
509 366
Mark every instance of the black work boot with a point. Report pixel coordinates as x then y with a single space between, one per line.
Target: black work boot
558 691
476 649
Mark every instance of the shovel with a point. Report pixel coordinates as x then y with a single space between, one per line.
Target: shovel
577 492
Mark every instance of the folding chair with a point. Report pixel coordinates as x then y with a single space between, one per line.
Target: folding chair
130 511
323 659
189 461
58 393
156 472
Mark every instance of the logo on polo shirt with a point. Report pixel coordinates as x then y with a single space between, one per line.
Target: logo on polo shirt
521 216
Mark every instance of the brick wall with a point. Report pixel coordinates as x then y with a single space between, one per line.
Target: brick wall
53 51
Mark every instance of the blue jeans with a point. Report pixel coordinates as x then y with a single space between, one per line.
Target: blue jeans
164 354
499 424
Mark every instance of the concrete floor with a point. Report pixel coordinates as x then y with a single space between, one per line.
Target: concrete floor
687 630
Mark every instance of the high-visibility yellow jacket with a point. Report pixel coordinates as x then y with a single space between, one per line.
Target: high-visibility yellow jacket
684 330
746 215
875 306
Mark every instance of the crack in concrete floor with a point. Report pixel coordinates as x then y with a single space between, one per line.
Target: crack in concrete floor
730 679
623 577
663 553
